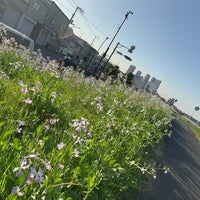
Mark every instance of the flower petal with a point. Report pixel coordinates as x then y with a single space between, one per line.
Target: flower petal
15 189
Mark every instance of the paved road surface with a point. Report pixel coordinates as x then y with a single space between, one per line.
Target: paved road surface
181 153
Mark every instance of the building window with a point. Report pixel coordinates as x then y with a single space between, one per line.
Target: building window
43 12
2 10
36 6
49 1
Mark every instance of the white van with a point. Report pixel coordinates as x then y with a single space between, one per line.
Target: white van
20 38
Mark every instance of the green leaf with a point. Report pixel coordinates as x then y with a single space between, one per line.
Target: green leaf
58 180
17 144
91 180
1 124
7 133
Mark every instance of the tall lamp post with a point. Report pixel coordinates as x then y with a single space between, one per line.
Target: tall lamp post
93 40
102 44
104 55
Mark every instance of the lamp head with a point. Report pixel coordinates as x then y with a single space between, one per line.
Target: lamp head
131 49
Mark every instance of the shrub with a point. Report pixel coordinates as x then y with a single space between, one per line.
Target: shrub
64 136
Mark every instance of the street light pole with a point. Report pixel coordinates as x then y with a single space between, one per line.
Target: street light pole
104 55
93 40
102 44
112 54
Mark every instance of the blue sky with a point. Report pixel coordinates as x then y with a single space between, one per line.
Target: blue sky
166 35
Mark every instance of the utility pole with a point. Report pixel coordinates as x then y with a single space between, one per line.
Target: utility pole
71 19
105 53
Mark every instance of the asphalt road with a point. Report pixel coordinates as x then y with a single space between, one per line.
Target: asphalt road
181 153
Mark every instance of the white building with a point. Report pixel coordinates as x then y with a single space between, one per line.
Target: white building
131 69
41 20
143 83
153 85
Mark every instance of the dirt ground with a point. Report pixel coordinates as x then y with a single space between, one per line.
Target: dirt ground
181 153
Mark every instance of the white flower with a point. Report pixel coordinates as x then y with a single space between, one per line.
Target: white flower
99 107
166 171
61 166
40 142
77 152
132 162
169 135
143 170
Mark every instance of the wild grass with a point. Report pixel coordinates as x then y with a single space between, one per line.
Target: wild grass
64 136
195 128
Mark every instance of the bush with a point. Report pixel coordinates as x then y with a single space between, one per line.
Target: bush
64 136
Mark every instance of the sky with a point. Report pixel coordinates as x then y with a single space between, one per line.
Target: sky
166 35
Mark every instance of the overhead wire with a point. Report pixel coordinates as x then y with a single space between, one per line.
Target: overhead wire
75 3
92 24
89 27
71 4
87 21
64 6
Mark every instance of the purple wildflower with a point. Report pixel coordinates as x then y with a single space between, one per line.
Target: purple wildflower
37 175
19 173
48 165
28 180
21 83
16 190
28 101
38 85
24 90
60 145
23 166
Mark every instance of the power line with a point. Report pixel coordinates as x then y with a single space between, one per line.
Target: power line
87 21
71 4
89 27
75 3
93 24
64 6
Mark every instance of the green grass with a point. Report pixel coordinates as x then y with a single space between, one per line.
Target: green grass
195 128
64 136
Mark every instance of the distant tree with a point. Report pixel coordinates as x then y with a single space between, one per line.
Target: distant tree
129 78
112 71
171 101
